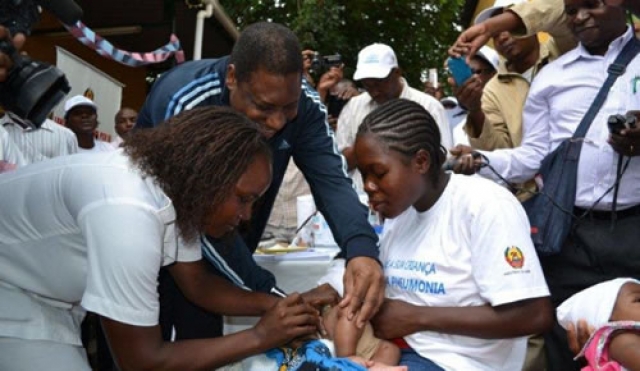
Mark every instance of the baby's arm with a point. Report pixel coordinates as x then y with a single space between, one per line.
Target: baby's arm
625 349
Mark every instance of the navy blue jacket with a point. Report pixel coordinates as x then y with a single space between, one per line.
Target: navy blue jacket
307 138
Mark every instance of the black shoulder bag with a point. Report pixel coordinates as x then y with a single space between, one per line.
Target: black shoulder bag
551 210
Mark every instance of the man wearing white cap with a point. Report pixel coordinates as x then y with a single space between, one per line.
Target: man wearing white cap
81 116
381 77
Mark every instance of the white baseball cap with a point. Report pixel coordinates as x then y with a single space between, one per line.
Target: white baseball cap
449 99
489 55
498 5
375 62
76 101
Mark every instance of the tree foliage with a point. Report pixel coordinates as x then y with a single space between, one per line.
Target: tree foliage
418 31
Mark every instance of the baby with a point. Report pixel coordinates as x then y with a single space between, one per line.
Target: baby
360 345
612 308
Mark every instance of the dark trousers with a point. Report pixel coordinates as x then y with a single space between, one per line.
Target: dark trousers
596 251
188 320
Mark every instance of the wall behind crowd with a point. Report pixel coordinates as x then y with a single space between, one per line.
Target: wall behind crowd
139 26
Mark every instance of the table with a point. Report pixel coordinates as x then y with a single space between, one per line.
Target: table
291 276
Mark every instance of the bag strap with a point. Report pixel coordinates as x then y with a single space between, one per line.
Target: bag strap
616 69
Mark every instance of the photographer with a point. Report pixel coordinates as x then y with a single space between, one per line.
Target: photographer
5 60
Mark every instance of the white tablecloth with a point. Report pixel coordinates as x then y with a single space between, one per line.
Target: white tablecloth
291 276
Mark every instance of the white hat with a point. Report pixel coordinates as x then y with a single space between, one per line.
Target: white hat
594 304
449 99
489 55
498 5
375 62
78 100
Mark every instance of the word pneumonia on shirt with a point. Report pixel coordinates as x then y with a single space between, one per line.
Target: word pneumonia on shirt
416 285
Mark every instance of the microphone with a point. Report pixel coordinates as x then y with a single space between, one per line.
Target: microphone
453 161
67 11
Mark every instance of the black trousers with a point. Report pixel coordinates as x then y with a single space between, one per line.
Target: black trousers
596 251
188 320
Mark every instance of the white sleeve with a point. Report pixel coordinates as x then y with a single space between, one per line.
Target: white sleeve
124 248
521 164
446 135
505 265
335 276
345 133
9 151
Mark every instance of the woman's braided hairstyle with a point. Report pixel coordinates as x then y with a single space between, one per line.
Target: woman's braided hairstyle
406 127
197 157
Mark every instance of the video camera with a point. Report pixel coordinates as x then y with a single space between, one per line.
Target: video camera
320 63
32 88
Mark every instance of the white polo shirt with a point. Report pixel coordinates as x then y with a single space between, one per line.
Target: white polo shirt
471 248
83 232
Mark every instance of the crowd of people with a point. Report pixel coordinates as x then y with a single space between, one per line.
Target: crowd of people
154 232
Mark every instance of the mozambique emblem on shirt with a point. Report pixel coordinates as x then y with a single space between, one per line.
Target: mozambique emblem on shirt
514 257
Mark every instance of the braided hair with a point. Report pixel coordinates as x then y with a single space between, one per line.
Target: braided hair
268 46
406 127
197 159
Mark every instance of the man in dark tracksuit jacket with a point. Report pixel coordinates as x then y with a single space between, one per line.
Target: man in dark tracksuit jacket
298 129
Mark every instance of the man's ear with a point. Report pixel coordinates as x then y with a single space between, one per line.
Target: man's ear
422 161
230 80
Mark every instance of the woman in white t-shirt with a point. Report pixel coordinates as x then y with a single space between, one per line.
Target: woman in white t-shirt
464 286
90 232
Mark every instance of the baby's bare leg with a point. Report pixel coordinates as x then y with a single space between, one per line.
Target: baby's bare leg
387 353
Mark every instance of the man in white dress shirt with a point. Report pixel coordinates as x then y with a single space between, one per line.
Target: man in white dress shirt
48 141
381 77
602 245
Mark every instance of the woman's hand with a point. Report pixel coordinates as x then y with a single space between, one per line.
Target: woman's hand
395 319
577 335
321 296
289 319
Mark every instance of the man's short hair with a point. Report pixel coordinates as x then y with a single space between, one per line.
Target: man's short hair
268 46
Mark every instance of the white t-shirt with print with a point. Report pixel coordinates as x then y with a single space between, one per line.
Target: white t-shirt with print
471 248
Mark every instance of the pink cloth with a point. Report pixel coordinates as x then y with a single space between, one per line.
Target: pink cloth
6 166
596 350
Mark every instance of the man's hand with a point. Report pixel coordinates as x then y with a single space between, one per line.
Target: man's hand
307 58
627 142
473 38
469 95
328 80
5 60
470 41
578 336
395 319
289 319
465 163
363 289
